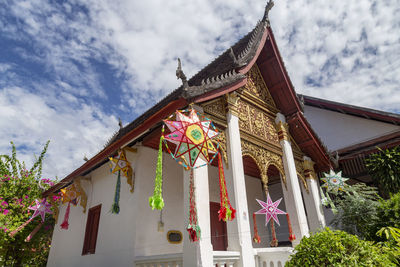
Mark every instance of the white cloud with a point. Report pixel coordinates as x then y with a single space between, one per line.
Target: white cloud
349 49
29 120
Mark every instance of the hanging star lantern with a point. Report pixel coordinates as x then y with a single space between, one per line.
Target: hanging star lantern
270 209
192 137
120 163
70 194
41 208
334 181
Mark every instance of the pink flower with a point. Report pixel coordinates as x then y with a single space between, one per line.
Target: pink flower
4 204
6 211
26 196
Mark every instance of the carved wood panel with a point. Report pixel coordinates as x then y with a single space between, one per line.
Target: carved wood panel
256 86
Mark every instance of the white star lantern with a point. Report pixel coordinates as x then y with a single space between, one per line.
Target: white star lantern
333 181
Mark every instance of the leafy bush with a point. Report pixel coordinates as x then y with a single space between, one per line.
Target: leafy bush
358 211
338 248
19 187
384 167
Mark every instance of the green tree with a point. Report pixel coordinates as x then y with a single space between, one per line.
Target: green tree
384 167
338 248
357 210
19 187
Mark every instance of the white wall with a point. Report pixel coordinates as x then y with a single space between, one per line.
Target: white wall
338 130
117 243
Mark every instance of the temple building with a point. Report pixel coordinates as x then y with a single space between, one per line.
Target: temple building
267 146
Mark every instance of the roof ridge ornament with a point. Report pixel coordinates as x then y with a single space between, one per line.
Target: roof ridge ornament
268 7
181 75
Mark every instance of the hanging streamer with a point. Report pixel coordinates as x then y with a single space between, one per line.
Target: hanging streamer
256 238
156 201
115 205
65 223
274 242
37 228
226 212
193 228
292 237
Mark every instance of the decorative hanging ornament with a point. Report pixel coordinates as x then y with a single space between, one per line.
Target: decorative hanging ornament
270 209
40 208
226 212
73 193
256 237
192 137
334 181
121 163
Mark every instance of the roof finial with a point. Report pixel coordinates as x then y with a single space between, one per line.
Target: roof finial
181 75
120 123
268 7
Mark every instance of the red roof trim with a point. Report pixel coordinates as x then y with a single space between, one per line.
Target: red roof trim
221 91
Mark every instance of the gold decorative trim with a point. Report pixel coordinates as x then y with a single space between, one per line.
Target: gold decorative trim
283 131
221 138
257 88
309 171
264 159
300 174
216 108
83 201
257 122
232 102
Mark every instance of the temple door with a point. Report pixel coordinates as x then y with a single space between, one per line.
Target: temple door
219 238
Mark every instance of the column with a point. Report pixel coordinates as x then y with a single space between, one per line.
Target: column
313 199
198 253
239 186
292 192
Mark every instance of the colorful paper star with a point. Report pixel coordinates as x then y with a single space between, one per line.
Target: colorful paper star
120 163
270 209
41 208
333 181
70 194
192 137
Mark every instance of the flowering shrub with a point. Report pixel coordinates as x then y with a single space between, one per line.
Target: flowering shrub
19 187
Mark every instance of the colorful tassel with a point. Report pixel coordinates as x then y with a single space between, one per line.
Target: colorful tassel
274 242
226 212
37 228
193 228
20 227
65 223
256 238
156 201
292 237
115 205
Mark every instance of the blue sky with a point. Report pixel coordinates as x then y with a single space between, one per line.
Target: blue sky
69 69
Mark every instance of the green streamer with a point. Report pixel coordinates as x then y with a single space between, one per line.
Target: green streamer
115 205
156 201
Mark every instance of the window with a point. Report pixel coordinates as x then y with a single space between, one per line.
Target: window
92 227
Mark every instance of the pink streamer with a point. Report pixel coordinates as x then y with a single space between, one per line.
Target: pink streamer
65 223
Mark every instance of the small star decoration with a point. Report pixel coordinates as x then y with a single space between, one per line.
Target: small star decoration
334 181
70 194
270 209
192 137
41 208
120 163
